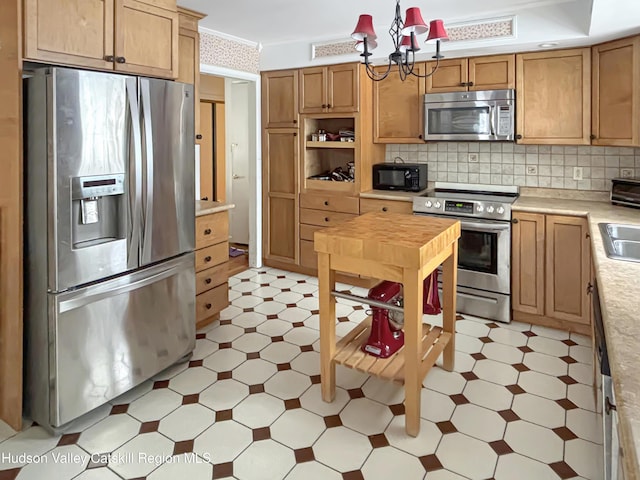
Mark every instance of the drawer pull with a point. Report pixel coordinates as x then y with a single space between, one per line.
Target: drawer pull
326 219
208 306
207 259
384 209
207 231
326 202
207 281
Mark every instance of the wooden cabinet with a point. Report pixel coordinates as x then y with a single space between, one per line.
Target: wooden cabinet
189 57
495 72
280 99
129 36
212 255
398 107
551 271
386 206
332 89
280 197
553 97
616 93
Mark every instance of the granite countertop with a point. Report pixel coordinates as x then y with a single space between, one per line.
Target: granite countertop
392 195
619 286
205 208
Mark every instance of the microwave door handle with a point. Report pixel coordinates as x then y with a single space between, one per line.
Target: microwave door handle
492 113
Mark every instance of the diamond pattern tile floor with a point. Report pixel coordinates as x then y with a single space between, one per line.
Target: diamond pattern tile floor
519 405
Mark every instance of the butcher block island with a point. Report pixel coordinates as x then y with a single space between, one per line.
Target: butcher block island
398 248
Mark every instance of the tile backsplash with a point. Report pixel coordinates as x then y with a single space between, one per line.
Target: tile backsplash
497 163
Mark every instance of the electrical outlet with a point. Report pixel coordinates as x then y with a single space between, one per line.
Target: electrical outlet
473 158
532 170
577 173
626 172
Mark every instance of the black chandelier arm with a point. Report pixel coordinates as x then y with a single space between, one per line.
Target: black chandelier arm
427 75
373 75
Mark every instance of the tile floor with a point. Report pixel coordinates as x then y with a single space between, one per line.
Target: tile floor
519 406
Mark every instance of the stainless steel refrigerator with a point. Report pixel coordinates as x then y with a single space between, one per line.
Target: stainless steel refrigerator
109 236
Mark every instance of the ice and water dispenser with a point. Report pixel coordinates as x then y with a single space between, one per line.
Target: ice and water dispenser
98 209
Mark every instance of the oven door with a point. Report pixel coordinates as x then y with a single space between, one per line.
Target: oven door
472 120
484 255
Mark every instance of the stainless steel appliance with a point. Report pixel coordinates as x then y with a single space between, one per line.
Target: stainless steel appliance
478 116
606 403
625 191
407 177
109 267
484 248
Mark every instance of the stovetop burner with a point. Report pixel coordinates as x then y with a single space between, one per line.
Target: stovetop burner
480 201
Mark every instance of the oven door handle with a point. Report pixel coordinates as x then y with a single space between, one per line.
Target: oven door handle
495 227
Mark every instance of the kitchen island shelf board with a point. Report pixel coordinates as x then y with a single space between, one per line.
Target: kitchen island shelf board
399 248
349 352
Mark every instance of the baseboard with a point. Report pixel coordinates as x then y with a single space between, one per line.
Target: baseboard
544 321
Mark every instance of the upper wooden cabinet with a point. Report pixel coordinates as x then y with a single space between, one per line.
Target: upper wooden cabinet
495 72
189 57
616 92
553 97
130 36
280 99
333 89
397 108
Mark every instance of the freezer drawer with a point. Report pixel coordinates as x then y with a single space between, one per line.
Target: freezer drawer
109 337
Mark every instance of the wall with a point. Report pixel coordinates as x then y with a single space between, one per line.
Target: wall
222 50
508 164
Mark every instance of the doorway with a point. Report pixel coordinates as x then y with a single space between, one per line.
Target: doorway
242 159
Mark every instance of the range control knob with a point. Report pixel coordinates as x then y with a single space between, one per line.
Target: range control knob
438 205
479 208
428 204
490 209
500 210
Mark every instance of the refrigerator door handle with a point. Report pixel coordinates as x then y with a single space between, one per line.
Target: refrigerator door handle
135 176
148 163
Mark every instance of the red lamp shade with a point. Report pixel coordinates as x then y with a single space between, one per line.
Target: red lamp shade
437 31
364 29
371 45
414 22
406 44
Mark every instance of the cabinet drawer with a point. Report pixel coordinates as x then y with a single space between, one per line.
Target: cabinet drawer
212 229
211 256
307 231
333 203
211 302
323 218
211 277
308 256
390 206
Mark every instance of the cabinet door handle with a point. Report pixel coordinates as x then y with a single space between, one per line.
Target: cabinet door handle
207 231
326 219
463 84
208 306
384 209
205 198
295 134
518 137
207 259
589 288
329 105
295 121
207 281
121 59
514 220
469 84
198 137
326 202
420 137
324 106
109 58
592 137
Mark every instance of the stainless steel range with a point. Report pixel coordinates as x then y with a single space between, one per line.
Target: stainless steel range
484 248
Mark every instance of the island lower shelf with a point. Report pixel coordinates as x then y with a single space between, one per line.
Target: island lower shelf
349 352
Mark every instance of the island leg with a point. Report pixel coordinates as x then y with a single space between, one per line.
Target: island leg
413 297
327 303
449 291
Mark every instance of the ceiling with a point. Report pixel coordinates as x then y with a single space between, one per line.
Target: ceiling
274 24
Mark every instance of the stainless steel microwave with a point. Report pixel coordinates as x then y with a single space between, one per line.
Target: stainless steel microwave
470 116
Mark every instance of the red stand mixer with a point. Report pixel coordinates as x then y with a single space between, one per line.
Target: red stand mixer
386 336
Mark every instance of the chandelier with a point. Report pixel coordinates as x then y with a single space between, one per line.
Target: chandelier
405 42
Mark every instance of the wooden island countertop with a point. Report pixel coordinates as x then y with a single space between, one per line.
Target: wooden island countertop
400 248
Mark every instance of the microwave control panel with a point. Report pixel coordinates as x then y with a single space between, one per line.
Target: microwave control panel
505 120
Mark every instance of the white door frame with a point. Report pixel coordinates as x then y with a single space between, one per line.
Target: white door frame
255 164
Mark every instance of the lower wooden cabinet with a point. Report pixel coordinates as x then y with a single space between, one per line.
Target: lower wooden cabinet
212 255
551 271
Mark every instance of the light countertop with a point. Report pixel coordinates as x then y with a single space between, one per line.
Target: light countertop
206 208
619 286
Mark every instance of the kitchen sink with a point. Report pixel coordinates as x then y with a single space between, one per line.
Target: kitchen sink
621 242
